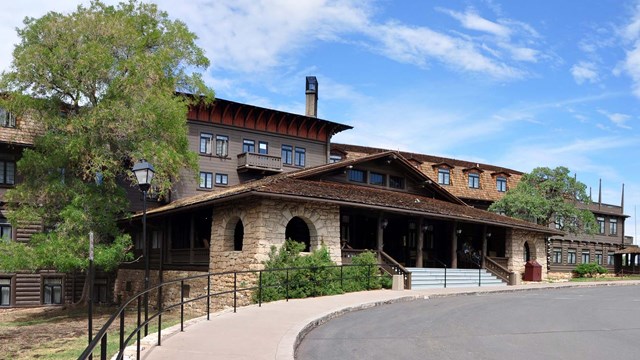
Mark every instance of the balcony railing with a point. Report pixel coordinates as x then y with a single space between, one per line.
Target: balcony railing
262 162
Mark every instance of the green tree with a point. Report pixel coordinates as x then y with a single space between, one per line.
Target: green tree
107 85
549 196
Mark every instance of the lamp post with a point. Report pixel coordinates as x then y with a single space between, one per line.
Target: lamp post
144 174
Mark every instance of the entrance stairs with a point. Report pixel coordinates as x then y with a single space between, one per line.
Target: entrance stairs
428 278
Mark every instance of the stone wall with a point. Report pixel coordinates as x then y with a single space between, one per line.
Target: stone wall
514 250
265 221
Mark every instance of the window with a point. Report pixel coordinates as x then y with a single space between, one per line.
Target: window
206 179
7 119
571 256
474 181
263 147
613 226
334 159
300 156
610 258
396 182
600 225
444 176
599 257
52 291
205 143
7 172
248 146
5 230
356 175
585 256
222 145
376 179
501 184
559 222
287 154
557 255
5 292
222 179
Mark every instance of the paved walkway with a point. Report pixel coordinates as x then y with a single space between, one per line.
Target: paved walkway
275 329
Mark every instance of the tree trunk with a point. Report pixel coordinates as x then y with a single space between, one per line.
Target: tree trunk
84 296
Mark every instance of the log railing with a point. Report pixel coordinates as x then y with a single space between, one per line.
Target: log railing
496 269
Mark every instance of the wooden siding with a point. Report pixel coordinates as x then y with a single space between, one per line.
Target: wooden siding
579 246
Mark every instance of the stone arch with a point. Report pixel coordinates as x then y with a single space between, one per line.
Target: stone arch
233 235
302 229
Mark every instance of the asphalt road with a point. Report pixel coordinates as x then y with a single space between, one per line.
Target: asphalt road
577 323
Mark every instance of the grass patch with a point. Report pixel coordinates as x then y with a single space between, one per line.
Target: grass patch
607 278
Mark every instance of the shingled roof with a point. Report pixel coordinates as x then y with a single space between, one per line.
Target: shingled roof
304 185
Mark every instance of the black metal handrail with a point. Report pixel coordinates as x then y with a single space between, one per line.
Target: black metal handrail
100 339
445 268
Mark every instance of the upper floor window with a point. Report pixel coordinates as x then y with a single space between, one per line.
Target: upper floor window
7 172
263 147
613 226
222 179
357 175
206 143
5 292
474 181
300 156
444 176
376 179
559 222
600 221
222 145
206 180
501 184
7 119
287 154
248 146
5 230
396 182
334 159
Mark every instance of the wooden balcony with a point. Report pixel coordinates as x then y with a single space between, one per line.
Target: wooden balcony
259 162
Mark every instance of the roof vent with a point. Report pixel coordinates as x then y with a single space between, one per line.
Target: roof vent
311 91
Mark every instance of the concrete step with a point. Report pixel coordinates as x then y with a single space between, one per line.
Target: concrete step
422 278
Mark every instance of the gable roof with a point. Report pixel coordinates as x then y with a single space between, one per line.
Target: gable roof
306 185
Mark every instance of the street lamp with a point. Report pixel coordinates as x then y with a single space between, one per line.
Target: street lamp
144 174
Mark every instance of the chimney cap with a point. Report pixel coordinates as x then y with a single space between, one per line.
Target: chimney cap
311 85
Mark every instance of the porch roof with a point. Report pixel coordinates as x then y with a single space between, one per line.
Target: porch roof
629 249
347 194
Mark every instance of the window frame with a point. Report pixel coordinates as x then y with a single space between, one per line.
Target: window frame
224 179
601 225
300 156
382 178
248 146
557 255
206 143
501 184
222 146
262 144
396 182
599 257
7 289
357 179
52 288
206 178
571 256
585 255
444 176
4 173
334 159
475 184
5 226
613 226
7 119
611 258
286 154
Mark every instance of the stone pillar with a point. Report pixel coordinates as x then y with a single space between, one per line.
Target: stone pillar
454 246
419 244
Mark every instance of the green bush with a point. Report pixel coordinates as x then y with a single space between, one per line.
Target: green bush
315 274
589 270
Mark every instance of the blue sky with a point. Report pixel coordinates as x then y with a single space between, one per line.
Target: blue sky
518 84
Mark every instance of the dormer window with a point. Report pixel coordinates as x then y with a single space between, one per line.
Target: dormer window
474 181
501 183
7 119
444 176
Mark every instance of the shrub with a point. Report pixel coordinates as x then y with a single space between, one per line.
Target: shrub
366 275
589 270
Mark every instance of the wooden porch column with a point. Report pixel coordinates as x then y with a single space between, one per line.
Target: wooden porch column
380 238
484 244
454 246
419 244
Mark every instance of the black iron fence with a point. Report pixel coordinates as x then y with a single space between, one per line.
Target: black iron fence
272 284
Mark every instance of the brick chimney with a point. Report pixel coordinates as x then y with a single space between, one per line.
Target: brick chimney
311 91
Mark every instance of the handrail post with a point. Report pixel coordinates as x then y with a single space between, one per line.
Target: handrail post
479 276
445 276
160 316
208 295
369 277
182 305
260 288
341 277
138 331
287 285
235 290
103 347
122 332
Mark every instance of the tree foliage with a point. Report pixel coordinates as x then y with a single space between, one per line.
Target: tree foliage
549 196
107 85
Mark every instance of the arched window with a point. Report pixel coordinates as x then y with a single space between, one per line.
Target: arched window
527 252
238 236
298 230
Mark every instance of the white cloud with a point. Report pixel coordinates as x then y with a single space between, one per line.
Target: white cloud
620 120
472 21
585 72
